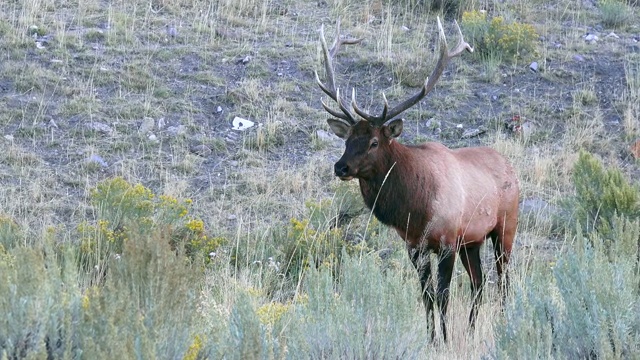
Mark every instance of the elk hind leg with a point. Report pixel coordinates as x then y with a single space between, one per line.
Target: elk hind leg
502 241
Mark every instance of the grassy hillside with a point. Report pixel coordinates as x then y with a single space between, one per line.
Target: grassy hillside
136 222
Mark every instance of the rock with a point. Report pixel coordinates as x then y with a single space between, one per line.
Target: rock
177 130
578 58
241 124
591 38
97 159
147 125
328 137
469 133
534 66
527 129
201 150
9 137
244 60
172 32
459 126
536 212
161 123
99 127
613 35
153 138
219 109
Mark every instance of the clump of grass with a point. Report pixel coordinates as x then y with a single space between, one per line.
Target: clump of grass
496 38
614 13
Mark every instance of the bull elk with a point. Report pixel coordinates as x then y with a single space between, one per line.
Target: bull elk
439 200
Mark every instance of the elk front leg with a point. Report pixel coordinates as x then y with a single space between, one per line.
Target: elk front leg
446 261
420 258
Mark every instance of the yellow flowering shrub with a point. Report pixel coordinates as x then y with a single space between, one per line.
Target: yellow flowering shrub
194 349
316 240
497 38
271 312
124 208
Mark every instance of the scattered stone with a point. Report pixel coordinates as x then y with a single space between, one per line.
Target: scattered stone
233 163
177 130
9 137
201 150
231 138
385 253
533 210
591 38
534 66
405 28
433 124
99 127
613 35
172 32
219 109
161 123
232 217
241 124
147 125
469 133
39 45
328 137
635 149
459 126
578 58
97 159
153 138
244 60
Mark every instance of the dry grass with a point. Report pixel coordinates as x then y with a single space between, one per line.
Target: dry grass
116 64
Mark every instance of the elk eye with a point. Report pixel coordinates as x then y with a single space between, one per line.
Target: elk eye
374 144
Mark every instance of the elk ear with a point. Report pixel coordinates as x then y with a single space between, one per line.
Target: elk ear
340 128
393 128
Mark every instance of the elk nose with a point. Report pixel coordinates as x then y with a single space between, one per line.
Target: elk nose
341 169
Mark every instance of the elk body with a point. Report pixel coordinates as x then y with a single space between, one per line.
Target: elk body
437 199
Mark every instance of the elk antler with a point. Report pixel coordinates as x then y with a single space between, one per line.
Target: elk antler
430 82
330 88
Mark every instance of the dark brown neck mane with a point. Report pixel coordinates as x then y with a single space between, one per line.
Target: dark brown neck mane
393 199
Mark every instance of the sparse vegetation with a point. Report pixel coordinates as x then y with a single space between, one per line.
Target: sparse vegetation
252 250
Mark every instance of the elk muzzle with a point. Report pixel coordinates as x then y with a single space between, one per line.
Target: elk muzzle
341 169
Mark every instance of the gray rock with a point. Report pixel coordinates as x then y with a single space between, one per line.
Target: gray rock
329 138
99 127
147 125
201 150
469 133
177 130
534 66
97 159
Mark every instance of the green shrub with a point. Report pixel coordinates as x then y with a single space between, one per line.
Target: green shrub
495 38
614 13
584 307
601 195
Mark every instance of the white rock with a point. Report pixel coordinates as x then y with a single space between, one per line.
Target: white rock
242 124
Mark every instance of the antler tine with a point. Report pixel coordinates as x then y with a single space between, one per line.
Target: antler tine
376 120
330 88
430 82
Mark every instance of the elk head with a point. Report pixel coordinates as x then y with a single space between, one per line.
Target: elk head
369 139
